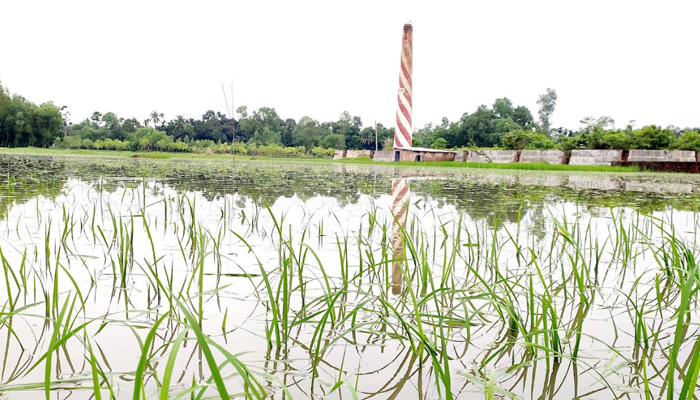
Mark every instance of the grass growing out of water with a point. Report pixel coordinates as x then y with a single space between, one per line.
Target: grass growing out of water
149 293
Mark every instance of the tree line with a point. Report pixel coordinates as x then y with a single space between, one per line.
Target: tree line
23 123
264 132
506 126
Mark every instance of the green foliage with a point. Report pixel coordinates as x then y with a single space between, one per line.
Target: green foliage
619 140
440 143
522 139
321 152
482 128
523 117
503 125
307 133
538 141
594 135
263 132
653 138
689 140
266 136
516 140
334 141
23 123
568 143
547 102
150 139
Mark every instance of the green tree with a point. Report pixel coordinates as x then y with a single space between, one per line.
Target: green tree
523 117
618 139
516 140
263 117
539 141
689 140
503 125
265 137
22 123
547 102
503 108
439 143
653 138
287 128
96 118
48 124
479 129
333 141
156 118
308 133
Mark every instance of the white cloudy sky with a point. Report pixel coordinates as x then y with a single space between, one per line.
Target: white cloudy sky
628 60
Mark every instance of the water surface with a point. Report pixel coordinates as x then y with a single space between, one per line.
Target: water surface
465 293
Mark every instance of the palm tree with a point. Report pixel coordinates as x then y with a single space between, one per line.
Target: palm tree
179 125
367 136
156 118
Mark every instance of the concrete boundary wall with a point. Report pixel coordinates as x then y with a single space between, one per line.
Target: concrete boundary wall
426 154
358 153
384 156
595 157
662 156
339 154
548 156
494 156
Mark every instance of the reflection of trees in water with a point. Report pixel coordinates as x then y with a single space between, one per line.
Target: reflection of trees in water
24 179
481 201
481 196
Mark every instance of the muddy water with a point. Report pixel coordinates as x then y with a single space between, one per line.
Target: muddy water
362 245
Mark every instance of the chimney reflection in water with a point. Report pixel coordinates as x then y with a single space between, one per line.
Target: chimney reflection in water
401 192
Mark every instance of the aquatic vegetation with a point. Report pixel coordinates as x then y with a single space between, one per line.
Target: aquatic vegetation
147 280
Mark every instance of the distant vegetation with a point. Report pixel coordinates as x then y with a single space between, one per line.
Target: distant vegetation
514 128
265 133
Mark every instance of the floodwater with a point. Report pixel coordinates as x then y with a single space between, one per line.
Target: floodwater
329 280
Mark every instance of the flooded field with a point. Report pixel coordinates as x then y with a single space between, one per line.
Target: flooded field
193 279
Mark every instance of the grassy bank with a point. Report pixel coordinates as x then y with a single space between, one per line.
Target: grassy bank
539 166
148 154
360 160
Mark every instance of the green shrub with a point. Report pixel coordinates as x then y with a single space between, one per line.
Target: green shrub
653 138
439 143
689 140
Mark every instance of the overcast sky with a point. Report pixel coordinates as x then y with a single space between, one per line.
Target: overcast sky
624 59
